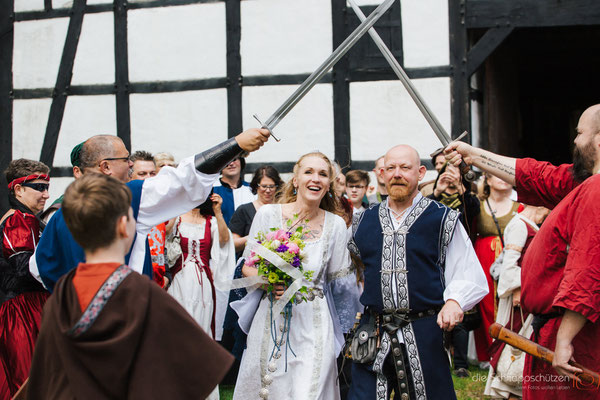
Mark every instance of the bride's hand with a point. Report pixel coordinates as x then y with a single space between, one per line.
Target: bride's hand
278 290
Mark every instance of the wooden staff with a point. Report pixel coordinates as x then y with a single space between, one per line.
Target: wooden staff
517 341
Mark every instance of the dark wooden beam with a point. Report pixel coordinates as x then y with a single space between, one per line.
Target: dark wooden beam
122 72
459 88
234 67
341 88
48 13
531 13
485 47
6 101
63 80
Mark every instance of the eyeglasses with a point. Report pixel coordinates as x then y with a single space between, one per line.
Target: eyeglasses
115 159
268 187
40 187
356 186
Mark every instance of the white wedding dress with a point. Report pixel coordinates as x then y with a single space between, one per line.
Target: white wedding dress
314 334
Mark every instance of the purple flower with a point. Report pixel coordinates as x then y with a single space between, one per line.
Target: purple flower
282 248
296 262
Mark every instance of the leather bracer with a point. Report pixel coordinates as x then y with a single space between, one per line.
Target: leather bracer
215 159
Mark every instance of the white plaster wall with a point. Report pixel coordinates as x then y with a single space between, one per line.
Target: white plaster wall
30 118
85 116
57 188
183 123
38 48
425 33
69 3
28 5
284 37
382 115
308 127
177 43
95 57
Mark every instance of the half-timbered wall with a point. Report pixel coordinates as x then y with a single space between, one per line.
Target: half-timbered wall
183 75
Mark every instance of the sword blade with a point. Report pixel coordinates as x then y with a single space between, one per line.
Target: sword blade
316 76
437 127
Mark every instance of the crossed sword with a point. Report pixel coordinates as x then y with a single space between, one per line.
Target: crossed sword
366 25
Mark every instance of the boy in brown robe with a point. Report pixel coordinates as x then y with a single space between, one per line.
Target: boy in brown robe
109 332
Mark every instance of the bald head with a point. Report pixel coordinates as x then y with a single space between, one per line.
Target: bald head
594 114
405 152
97 148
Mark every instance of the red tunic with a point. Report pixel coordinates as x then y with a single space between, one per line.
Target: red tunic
561 270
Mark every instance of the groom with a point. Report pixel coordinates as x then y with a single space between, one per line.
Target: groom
421 273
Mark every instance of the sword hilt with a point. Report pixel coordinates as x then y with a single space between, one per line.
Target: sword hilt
263 126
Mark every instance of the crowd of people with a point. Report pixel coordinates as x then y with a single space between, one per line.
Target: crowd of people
398 274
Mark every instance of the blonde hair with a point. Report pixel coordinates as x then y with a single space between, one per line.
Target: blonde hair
329 202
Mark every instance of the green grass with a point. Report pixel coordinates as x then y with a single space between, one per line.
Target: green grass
470 388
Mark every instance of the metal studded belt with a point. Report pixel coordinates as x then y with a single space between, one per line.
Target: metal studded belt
391 322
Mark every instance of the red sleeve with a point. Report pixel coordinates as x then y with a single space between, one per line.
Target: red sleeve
579 289
540 183
21 233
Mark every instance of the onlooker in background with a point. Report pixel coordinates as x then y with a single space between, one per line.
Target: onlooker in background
232 188
143 168
438 160
453 191
266 183
143 165
164 159
497 211
357 182
76 163
381 193
518 234
108 332
339 188
21 296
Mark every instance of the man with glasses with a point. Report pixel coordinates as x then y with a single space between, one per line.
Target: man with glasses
233 189
173 192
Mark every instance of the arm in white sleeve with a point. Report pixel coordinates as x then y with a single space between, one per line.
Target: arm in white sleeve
515 236
174 191
465 280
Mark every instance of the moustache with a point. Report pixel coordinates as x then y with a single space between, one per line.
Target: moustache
398 181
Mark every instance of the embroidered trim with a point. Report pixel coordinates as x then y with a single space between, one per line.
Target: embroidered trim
328 227
447 231
318 350
341 273
356 219
97 304
382 384
414 362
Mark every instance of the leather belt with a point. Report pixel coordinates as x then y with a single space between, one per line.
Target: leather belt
391 322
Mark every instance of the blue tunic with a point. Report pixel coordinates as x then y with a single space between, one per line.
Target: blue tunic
57 252
404 271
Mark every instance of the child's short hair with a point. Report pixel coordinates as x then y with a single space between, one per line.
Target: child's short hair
357 176
91 206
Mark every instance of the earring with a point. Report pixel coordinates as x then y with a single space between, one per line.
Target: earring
294 190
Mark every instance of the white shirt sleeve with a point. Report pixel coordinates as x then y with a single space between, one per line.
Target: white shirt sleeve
172 192
465 281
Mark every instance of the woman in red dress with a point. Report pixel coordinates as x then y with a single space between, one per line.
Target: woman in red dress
495 201
21 296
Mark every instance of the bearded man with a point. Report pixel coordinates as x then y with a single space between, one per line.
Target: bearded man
560 273
420 274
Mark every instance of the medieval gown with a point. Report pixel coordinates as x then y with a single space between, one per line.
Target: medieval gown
314 334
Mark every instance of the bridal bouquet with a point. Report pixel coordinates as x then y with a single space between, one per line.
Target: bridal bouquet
289 246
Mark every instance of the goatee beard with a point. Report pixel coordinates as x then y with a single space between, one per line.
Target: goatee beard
583 162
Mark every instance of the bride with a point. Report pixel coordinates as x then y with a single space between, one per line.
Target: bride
314 334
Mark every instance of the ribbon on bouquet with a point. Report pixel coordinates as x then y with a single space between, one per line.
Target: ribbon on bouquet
281 264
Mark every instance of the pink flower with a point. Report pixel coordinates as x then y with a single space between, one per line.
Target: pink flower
293 248
280 235
271 235
250 262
